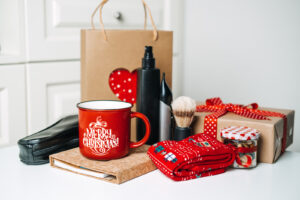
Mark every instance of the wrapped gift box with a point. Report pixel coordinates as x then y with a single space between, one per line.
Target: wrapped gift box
272 130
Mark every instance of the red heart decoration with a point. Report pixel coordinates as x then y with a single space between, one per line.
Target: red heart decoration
123 84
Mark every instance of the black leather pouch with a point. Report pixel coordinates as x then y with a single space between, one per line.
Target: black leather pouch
60 136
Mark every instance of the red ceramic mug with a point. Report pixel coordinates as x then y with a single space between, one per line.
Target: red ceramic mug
104 129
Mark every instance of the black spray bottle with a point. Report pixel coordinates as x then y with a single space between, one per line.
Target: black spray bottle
165 113
148 91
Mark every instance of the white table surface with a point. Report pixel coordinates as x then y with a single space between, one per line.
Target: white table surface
267 181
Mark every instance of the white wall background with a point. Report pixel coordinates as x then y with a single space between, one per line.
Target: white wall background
244 51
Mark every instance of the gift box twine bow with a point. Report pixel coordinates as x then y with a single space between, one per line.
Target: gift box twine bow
219 109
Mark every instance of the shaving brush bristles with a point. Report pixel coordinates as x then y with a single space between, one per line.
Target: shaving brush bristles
183 109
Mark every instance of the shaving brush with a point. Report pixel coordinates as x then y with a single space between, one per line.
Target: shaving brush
183 110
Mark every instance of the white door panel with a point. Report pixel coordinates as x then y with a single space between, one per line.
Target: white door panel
54 90
12 104
62 100
54 25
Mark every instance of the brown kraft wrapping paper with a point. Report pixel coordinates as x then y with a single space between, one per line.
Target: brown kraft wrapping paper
269 146
103 51
136 164
124 49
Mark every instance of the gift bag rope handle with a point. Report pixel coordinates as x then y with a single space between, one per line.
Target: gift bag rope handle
146 7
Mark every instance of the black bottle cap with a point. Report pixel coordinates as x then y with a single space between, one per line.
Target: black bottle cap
165 92
148 61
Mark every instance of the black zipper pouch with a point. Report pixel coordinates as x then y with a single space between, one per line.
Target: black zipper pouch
60 136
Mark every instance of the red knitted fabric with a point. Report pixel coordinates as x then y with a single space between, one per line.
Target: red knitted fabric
196 156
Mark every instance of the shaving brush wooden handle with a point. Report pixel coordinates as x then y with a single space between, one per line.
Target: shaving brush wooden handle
183 110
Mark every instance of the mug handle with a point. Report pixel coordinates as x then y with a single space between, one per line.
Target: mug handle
148 129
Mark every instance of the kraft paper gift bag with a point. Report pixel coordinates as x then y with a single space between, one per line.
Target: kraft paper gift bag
104 51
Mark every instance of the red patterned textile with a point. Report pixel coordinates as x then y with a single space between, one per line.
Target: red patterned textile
194 157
